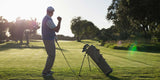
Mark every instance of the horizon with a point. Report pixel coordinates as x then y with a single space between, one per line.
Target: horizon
91 10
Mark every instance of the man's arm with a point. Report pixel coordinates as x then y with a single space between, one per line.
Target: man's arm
56 29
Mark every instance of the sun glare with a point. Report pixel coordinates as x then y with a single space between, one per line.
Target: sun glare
25 9
133 48
67 9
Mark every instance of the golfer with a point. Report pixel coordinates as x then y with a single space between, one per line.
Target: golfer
48 36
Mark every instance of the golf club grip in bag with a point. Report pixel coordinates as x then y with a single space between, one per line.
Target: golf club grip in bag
99 60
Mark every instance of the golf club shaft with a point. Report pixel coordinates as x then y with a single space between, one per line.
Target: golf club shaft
65 57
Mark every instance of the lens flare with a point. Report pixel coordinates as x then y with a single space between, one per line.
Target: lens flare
133 48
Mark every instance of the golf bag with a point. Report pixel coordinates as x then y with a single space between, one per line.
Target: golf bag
99 60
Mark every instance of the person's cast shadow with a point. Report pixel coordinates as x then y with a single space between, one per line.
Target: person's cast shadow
52 78
48 78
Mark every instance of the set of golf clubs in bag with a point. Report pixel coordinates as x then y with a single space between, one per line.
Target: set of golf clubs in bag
94 53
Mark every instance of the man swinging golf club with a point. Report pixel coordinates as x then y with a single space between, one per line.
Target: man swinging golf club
48 36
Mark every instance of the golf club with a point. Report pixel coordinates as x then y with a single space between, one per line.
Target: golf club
65 57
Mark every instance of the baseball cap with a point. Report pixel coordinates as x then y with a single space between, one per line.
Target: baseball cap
50 8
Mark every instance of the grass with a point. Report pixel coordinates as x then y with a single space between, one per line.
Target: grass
21 62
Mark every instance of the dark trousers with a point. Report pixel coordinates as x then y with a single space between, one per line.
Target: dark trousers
50 49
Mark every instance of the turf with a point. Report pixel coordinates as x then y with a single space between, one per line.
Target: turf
22 62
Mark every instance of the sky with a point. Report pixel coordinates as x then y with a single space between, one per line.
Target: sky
91 10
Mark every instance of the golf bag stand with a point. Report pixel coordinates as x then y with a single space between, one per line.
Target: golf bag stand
83 62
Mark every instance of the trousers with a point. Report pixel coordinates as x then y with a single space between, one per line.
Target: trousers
50 49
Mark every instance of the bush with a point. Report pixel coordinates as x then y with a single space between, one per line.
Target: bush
147 47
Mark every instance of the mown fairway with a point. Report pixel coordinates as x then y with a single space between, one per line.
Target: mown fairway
27 62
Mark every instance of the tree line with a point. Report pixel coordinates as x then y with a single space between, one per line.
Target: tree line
132 19
135 18
17 30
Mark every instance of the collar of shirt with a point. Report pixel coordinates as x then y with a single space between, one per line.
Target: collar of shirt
48 16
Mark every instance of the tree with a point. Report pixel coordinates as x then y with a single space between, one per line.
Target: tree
134 17
157 32
83 29
12 31
118 14
107 35
22 28
3 28
76 28
89 29
146 13
31 30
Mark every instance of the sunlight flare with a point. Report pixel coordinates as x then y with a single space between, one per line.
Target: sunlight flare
133 48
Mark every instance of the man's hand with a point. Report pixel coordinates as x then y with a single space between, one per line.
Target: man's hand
59 18
56 29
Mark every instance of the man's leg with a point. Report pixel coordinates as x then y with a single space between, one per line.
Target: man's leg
50 49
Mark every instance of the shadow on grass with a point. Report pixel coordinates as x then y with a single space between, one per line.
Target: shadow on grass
18 46
113 77
8 46
35 40
61 49
48 78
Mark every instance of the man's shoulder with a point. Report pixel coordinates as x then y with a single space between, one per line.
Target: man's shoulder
46 18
